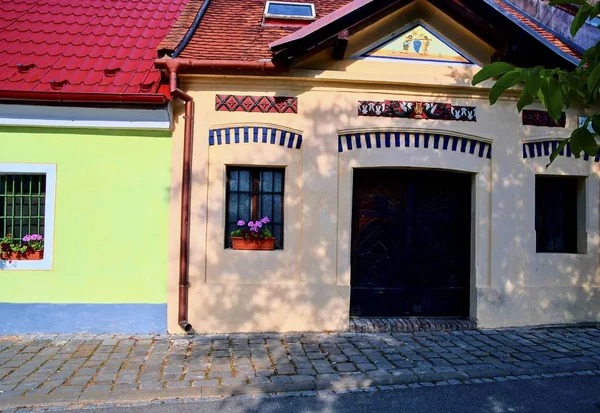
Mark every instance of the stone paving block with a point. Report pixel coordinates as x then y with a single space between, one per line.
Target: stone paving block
178 384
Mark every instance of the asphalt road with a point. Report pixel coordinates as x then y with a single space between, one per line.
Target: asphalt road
567 394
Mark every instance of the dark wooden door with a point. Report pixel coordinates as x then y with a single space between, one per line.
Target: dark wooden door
411 243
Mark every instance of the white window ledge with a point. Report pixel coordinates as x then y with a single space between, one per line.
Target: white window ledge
50 171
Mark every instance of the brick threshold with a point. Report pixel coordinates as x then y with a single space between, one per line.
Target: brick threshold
409 324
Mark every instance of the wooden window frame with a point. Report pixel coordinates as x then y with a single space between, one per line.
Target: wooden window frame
255 195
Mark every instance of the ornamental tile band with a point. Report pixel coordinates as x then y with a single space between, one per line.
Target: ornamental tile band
369 140
254 134
542 118
261 104
545 148
417 110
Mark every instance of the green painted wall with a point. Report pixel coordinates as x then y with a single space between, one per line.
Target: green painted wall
112 205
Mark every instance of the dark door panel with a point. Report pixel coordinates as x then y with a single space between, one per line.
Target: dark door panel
410 243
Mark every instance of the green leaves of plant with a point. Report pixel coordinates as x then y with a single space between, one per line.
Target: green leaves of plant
508 80
551 97
525 99
491 70
583 140
593 79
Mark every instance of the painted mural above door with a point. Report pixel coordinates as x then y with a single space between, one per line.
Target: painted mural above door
417 43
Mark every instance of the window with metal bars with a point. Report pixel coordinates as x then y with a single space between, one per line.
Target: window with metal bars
22 204
253 193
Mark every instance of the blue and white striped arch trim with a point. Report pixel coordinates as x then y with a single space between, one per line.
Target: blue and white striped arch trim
545 148
351 141
255 134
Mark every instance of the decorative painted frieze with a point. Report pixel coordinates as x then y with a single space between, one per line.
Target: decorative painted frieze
262 104
369 140
255 134
542 118
417 110
543 149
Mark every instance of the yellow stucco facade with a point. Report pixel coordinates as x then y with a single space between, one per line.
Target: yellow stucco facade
306 286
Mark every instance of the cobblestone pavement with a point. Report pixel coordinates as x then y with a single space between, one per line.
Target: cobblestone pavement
45 369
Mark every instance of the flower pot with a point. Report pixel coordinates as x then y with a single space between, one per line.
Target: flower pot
14 256
239 243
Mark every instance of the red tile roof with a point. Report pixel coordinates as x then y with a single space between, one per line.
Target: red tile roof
233 30
83 46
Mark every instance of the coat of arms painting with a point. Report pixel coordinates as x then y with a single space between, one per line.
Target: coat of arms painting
417 43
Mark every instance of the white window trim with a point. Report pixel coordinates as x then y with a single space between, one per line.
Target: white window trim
50 171
289 16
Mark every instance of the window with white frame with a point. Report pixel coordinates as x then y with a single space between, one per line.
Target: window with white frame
289 10
27 194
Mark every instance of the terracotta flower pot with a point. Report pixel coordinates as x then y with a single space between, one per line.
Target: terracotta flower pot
239 243
13 256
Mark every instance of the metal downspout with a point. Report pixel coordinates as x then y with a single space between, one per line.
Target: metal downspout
184 244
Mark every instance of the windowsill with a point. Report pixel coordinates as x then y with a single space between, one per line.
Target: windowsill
563 254
26 265
275 250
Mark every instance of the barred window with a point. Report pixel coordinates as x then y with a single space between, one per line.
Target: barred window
22 204
253 193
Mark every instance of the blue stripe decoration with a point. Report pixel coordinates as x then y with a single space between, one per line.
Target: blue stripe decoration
255 134
372 140
282 138
368 140
543 149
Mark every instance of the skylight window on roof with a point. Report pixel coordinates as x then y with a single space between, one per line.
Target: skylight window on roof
286 10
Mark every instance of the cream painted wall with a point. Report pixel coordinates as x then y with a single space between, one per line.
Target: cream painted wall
307 285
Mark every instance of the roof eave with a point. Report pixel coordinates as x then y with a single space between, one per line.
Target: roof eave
79 97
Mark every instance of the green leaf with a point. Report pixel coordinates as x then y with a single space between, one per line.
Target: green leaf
532 81
586 140
593 79
508 80
596 124
556 152
491 70
575 143
524 100
552 97
580 18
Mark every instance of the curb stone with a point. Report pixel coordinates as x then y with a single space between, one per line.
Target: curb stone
388 382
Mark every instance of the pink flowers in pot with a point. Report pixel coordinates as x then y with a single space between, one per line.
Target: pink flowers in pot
28 245
256 230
